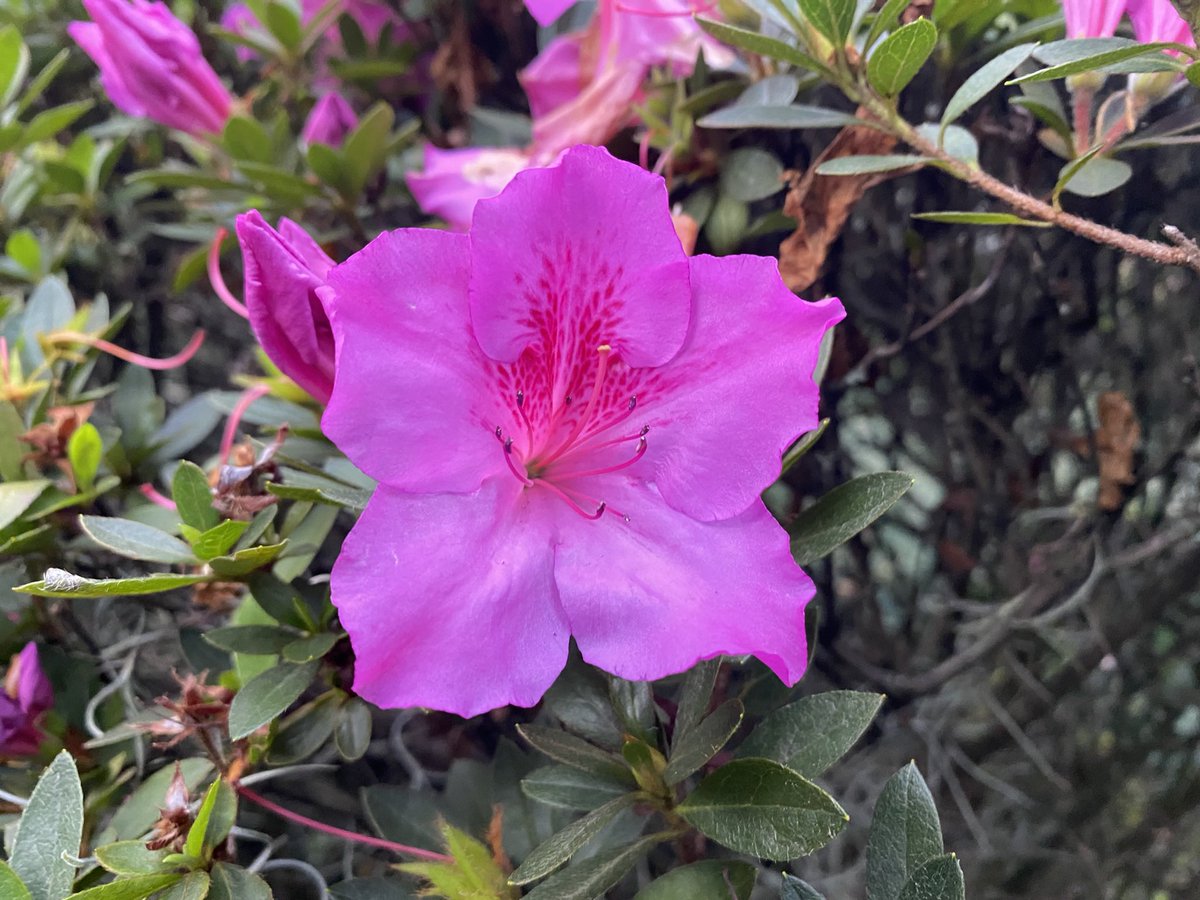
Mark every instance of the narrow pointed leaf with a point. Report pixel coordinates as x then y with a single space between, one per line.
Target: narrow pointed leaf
555 852
266 696
905 834
844 512
591 879
985 80
703 742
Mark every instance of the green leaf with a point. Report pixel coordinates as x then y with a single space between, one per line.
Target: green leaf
593 877
844 512
193 496
905 834
569 788
266 696
246 139
135 888
23 248
833 18
870 164
898 59
330 165
50 122
217 540
84 449
284 24
573 751
1095 62
985 80
51 825
352 735
345 497
796 889
308 648
243 562
277 599
42 80
727 879
758 807
14 63
254 639
230 882
941 878
11 887
365 148
762 45
18 496
131 858
813 733
136 541
796 115
59 583
560 848
751 174
979 218
193 886
217 814
304 731
695 695
182 178
700 744
884 19
1095 177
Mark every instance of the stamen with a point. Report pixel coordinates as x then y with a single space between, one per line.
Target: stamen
508 452
525 418
235 418
562 495
603 351
146 362
638 454
217 281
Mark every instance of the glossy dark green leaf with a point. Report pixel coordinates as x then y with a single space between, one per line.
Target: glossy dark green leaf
900 56
905 834
813 733
216 541
562 846
569 788
695 695
365 148
306 730
797 889
253 639
727 879
565 747
758 807
593 877
136 540
844 512
50 825
266 696
700 744
193 496
941 878
345 497
193 886
352 734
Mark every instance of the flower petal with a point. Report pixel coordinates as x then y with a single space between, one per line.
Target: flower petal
741 390
546 11
449 599
651 596
597 261
411 404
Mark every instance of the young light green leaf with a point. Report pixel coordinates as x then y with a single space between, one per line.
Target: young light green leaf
245 561
700 744
131 858
813 733
50 122
51 825
138 813
18 496
11 887
592 878
230 882
59 583
136 541
941 878
728 879
762 45
366 146
796 889
951 217
14 63
266 696
985 80
758 807
569 788
833 18
565 747
898 59
560 848
193 496
844 512
84 449
136 888
870 164
215 817
216 541
246 139
905 834
884 19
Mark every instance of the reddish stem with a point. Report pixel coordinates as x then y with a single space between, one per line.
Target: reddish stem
354 836
217 281
235 418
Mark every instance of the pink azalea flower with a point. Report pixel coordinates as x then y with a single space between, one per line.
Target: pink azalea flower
27 694
151 65
546 11
1158 20
1092 18
331 119
571 423
453 180
283 270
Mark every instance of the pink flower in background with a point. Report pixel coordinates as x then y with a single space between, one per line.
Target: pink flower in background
546 11
27 694
571 423
331 119
454 180
1158 20
1092 18
151 65
283 270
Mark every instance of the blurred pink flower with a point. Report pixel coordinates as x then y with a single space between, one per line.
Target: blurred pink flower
283 270
1092 18
27 694
546 11
1158 20
571 423
453 180
373 17
331 119
151 65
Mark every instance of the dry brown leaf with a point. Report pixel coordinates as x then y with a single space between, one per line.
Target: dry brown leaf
1116 438
821 204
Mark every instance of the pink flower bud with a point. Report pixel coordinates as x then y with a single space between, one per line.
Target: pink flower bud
331 119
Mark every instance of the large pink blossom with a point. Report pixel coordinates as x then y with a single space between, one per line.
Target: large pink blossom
453 181
26 695
1159 20
283 270
151 65
1092 18
570 423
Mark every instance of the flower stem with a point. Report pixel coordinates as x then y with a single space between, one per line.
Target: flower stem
357 838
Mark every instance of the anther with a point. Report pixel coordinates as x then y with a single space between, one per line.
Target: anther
520 398
632 402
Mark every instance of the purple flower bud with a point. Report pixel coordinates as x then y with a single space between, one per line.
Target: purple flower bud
26 695
151 65
331 119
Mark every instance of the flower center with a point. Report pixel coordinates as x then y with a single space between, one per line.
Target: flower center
570 446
